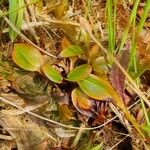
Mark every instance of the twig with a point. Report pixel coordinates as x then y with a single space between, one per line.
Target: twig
30 24
119 142
57 123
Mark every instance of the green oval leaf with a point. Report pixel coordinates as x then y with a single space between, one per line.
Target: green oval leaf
96 87
52 73
70 51
27 57
79 73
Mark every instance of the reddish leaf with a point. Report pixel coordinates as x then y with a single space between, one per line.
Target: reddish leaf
102 114
79 98
117 78
82 102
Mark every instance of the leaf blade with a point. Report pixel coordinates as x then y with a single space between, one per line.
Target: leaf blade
96 87
81 102
64 112
27 57
70 51
79 98
117 78
79 73
52 73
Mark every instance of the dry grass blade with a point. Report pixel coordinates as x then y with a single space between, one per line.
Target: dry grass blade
119 142
27 108
78 136
60 22
6 137
29 25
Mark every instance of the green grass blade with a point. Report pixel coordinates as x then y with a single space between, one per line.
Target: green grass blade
12 17
3 14
20 14
16 17
133 60
145 112
131 18
110 26
144 16
139 29
115 20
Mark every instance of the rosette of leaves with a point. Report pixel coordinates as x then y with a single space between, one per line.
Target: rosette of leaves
92 81
88 76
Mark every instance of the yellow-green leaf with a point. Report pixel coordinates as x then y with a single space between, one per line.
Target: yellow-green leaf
79 73
99 65
146 128
96 87
27 57
51 73
70 51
